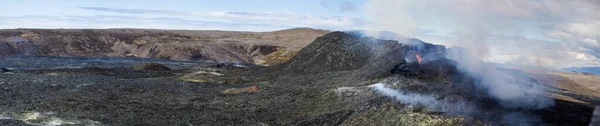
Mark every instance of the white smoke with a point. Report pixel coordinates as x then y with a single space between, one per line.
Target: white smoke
528 32
428 101
513 90
471 23
455 106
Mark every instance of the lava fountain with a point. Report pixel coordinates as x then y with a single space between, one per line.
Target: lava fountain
419 58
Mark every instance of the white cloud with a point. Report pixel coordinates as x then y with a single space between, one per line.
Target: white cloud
324 3
169 19
100 21
299 20
565 33
288 19
348 7
581 56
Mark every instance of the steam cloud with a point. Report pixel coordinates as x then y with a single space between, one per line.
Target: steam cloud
552 33
454 106
427 101
472 33
513 90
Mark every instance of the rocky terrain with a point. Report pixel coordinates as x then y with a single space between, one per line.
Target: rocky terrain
338 79
264 48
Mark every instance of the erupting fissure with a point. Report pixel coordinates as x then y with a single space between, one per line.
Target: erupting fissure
418 56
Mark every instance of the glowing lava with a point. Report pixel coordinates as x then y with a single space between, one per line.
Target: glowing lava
241 90
418 56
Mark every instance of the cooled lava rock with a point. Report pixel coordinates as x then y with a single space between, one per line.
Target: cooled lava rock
433 70
336 51
10 122
150 66
241 90
4 70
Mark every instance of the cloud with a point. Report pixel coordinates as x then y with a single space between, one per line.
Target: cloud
530 32
104 21
324 3
294 20
348 7
585 34
342 6
128 11
521 50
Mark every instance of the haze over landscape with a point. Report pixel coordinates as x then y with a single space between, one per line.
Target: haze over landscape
314 62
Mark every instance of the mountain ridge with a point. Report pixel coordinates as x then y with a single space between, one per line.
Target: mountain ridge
265 48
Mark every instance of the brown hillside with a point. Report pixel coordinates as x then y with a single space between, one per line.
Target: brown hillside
264 48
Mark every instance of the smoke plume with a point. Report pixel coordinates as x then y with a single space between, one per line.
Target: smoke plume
456 106
428 101
551 33
513 90
471 26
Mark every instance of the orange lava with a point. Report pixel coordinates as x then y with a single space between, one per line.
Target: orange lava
241 90
418 56
248 89
252 88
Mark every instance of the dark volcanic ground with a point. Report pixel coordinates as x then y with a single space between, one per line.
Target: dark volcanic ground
327 83
55 62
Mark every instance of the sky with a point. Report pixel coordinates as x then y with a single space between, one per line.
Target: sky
549 33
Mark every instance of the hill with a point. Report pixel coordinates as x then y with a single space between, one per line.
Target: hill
265 48
342 78
590 81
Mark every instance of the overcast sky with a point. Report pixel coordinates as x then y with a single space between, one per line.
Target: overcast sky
553 33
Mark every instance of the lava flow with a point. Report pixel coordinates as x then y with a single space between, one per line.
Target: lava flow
418 56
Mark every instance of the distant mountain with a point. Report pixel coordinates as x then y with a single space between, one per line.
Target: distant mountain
592 70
